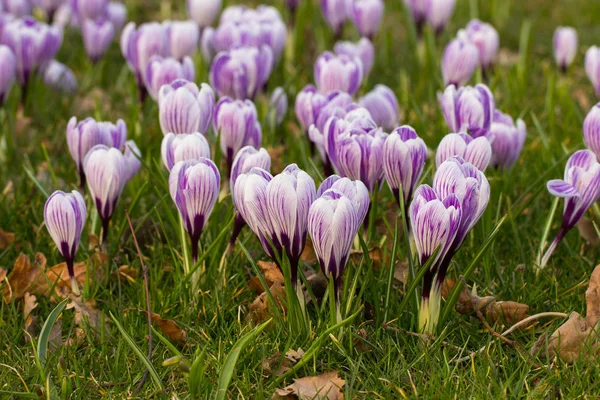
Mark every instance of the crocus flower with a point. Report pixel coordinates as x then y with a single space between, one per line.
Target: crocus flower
383 107
366 15
49 6
404 155
241 73
592 67
132 155
308 106
194 187
8 66
356 191
65 215
204 12
183 38
335 14
162 71
363 49
468 109
207 44
83 135
236 121
183 108
32 42
91 9
507 140
475 151
97 37
17 8
439 13
459 61
117 14
591 130
58 76
278 104
580 188
486 39
338 72
183 147
564 45
418 10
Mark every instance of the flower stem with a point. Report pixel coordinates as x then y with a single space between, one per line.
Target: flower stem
186 255
552 247
334 302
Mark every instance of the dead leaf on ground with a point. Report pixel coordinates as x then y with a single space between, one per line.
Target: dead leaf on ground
55 338
57 278
261 307
323 387
29 304
126 273
588 232
283 364
401 272
87 315
2 274
308 254
23 275
375 254
6 239
271 274
170 328
276 153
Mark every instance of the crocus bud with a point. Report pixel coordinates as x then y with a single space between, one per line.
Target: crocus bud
592 67
58 76
356 191
439 13
338 72
183 38
486 39
132 156
183 108
17 8
564 45
162 71
204 12
249 157
41 41
591 130
241 73
97 37
418 10
65 215
183 147
363 49
468 109
278 104
404 155
507 140
366 15
117 14
308 105
207 44
580 188
459 61
91 9
236 122
383 107
475 151
8 67
83 135
335 14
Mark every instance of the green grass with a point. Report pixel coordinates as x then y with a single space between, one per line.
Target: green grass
394 364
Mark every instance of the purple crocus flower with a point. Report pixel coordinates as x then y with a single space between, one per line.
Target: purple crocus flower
363 49
507 140
183 147
591 130
592 67
338 72
459 61
366 15
162 71
65 215
8 67
439 13
383 107
204 12
207 46
404 156
564 44
580 188
49 7
17 8
356 191
335 14
486 39
91 9
97 37
308 106
236 121
58 77
82 136
241 73
468 109
183 108
117 14
475 151
194 187
32 42
184 37
132 155
278 104
418 10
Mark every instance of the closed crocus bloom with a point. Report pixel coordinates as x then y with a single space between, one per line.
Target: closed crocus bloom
17 8
8 66
183 38
459 61
366 15
249 157
564 45
580 188
338 72
204 12
507 140
383 107
207 46
418 10
162 71
236 122
592 67
363 49
183 147
591 130
117 14
90 8
335 14
278 104
475 151
241 73
308 106
64 216
404 155
486 39
58 76
33 43
356 191
438 13
183 108
468 109
97 37
132 156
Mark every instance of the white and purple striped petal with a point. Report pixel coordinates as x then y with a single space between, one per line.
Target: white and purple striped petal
475 151
183 147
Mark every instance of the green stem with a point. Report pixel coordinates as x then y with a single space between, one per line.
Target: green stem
186 255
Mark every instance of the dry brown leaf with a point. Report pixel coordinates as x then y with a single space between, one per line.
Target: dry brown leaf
93 240
276 153
401 272
55 338
29 304
510 312
6 239
76 338
86 315
271 274
323 387
283 364
588 232
57 278
23 275
260 309
2 274
126 273
308 254
375 254
170 328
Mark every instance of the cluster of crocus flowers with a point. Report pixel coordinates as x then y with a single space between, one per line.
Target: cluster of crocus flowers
592 67
564 45
436 13
8 66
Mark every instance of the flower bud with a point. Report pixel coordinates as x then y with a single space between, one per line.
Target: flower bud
335 13
592 67
162 71
183 108
97 37
204 12
564 45
278 104
366 15
486 39
8 67
183 147
468 109
459 61
363 49
183 39
507 140
475 151
383 107
338 72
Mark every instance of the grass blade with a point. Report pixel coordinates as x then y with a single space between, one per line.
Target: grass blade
42 345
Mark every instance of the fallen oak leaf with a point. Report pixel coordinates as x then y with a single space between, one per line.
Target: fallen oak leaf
22 276
3 274
57 279
86 315
375 255
322 387
587 231
261 307
283 364
271 274
29 304
6 239
170 328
